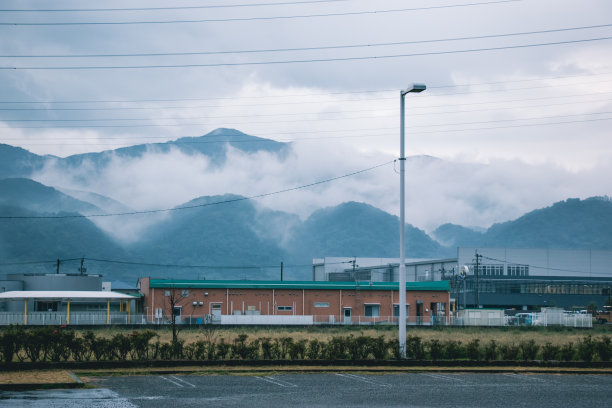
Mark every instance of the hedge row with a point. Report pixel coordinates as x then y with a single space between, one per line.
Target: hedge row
60 344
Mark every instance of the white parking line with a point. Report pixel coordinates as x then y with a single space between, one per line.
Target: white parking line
443 377
362 379
171 381
526 377
183 381
276 381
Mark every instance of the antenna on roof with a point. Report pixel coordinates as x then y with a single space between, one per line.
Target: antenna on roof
81 268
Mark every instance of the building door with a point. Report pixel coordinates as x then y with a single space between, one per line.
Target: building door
177 314
216 311
347 315
419 312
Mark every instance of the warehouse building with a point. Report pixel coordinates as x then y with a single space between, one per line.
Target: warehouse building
292 302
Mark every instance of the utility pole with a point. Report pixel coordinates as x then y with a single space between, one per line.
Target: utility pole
57 266
478 257
81 268
281 271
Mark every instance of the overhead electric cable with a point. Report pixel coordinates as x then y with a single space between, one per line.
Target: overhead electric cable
232 98
331 47
351 136
378 109
303 61
186 207
361 117
261 18
214 6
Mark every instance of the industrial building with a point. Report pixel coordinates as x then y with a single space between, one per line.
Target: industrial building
507 278
293 302
56 299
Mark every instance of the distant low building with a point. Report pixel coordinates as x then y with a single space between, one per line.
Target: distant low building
506 278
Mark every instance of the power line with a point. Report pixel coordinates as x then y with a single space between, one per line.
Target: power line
233 98
332 47
187 207
351 136
262 18
151 264
303 113
361 117
303 61
220 6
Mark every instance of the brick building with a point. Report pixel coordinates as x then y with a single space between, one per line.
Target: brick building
321 302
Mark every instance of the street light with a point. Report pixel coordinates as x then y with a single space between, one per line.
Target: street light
402 264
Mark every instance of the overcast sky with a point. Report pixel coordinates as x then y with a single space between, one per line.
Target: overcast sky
518 105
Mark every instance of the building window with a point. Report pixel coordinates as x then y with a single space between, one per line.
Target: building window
518 270
185 293
396 310
284 308
166 293
372 310
321 304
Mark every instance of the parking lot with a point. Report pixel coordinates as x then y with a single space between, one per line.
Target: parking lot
329 390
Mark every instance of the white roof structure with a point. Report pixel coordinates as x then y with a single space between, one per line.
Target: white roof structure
63 294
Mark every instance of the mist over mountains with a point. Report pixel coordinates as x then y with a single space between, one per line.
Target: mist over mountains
221 234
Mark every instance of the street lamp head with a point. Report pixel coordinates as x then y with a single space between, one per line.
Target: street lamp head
415 88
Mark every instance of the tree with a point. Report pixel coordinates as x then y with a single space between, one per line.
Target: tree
592 308
174 297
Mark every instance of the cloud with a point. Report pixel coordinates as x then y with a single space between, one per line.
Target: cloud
437 191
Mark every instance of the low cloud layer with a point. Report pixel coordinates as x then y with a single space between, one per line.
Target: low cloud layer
437 191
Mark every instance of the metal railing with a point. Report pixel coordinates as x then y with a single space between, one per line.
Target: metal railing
122 318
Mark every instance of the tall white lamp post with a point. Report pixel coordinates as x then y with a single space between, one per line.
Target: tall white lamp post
402 263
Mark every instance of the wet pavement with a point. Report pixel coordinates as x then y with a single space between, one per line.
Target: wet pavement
330 390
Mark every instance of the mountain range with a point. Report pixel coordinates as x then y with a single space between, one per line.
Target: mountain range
230 236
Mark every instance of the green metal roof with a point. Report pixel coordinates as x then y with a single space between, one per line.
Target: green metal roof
244 284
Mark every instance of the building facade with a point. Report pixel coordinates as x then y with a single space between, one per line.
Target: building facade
325 302
507 278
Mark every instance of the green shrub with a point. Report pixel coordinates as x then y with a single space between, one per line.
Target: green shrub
550 351
604 348
586 349
378 348
313 351
223 350
335 349
414 348
297 350
453 350
121 346
266 348
490 351
567 352
436 349
60 344
394 348
240 348
473 350
529 349
36 343
358 348
141 348
285 344
509 352
10 343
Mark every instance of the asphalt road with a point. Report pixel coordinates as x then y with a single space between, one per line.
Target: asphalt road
330 390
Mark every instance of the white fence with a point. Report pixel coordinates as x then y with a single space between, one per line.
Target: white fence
79 318
86 319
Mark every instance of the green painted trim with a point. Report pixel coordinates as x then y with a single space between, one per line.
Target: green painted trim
242 284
